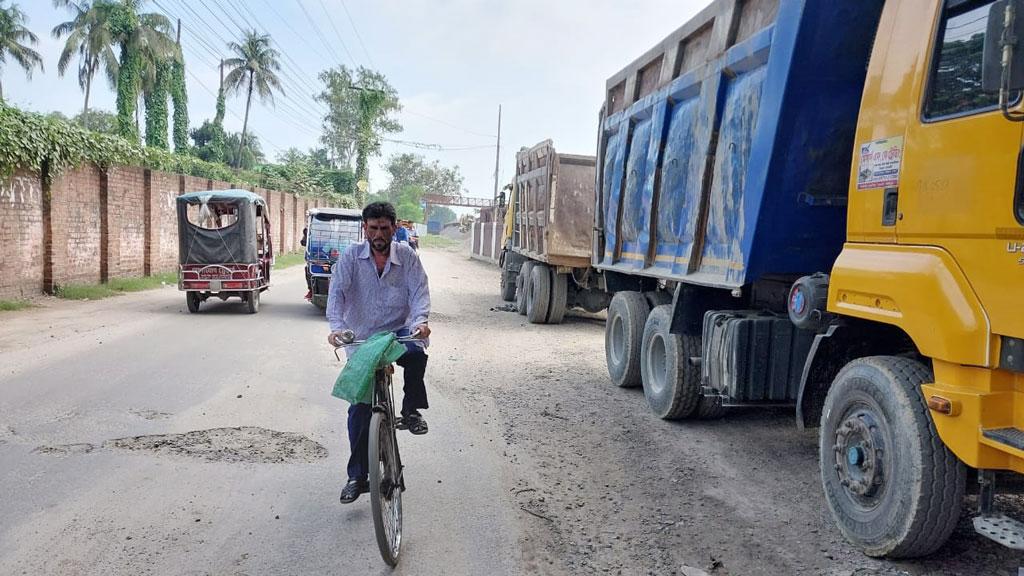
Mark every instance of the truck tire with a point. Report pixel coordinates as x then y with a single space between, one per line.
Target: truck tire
523 286
671 383
623 331
508 281
893 487
559 297
538 297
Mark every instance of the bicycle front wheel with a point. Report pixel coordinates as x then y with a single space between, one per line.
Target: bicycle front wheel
385 488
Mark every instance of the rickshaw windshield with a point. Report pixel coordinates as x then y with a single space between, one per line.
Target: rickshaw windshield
329 235
212 215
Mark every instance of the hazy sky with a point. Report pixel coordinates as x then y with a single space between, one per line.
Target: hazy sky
452 61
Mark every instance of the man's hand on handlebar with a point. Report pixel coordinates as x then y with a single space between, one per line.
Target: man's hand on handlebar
421 332
340 337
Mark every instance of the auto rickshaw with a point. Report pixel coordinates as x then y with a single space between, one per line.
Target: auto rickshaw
329 231
224 247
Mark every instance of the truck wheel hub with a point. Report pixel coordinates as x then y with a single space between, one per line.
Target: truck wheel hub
858 449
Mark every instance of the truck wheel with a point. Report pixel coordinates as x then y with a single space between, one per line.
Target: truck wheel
559 297
538 297
623 331
671 383
523 285
508 281
893 487
193 300
252 301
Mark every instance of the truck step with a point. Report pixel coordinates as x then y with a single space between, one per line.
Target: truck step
1002 529
1012 437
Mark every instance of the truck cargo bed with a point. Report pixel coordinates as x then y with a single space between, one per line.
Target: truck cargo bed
554 206
725 151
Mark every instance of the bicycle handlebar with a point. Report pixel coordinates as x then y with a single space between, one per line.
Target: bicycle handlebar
348 339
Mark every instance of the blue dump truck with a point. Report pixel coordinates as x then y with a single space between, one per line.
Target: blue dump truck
821 204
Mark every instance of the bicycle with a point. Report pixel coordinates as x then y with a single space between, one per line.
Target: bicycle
386 473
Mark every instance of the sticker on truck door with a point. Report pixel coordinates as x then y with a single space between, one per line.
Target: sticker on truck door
879 165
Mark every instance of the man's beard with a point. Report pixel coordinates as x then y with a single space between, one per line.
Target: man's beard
379 245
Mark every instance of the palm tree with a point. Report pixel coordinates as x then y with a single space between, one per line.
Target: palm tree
254 69
138 35
89 36
13 37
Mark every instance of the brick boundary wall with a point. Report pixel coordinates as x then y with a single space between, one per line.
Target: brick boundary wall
21 232
90 225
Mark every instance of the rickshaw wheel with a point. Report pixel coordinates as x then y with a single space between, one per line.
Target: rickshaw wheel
193 300
252 300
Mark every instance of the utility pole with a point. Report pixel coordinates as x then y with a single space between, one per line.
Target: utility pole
220 88
497 156
179 33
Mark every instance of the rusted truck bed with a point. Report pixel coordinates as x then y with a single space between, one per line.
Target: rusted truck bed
554 206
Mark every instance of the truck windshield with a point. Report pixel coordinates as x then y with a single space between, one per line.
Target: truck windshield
329 237
956 70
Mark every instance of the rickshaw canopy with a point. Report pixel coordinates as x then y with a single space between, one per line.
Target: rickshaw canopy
219 226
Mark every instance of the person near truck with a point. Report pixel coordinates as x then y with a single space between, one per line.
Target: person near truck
379 285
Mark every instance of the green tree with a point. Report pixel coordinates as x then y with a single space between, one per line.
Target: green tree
139 36
14 40
179 97
254 69
98 121
433 178
89 36
442 214
156 87
360 107
407 202
245 157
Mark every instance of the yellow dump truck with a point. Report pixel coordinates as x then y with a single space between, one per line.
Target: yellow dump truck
822 204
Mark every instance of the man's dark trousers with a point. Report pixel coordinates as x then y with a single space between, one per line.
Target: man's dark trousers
414 366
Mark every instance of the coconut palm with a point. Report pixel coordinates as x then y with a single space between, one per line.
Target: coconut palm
254 69
137 35
89 36
13 39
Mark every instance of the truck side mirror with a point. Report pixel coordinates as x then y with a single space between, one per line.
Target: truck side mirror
1004 47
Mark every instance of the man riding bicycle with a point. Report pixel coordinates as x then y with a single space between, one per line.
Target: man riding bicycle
380 286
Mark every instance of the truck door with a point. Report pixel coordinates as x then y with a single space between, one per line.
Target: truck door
960 165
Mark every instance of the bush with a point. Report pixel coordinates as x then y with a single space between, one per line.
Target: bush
50 145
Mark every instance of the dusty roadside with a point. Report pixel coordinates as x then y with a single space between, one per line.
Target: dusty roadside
604 487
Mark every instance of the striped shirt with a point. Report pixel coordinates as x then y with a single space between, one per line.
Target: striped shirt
365 303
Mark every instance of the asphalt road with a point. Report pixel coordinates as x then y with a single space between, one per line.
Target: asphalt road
244 474
138 439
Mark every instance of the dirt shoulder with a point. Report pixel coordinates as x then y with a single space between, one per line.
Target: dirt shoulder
605 487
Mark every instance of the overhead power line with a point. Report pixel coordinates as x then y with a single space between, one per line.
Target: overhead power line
336 33
356 30
436 147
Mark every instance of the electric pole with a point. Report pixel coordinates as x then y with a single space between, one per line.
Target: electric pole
497 156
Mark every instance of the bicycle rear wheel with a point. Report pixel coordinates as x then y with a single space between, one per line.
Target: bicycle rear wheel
385 488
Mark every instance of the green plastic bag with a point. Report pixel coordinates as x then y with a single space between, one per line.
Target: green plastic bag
355 383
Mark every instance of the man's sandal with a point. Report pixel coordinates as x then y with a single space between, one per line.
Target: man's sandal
414 423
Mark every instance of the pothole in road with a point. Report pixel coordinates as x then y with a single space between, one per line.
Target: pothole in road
247 444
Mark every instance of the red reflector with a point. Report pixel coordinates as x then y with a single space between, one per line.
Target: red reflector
197 285
232 284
